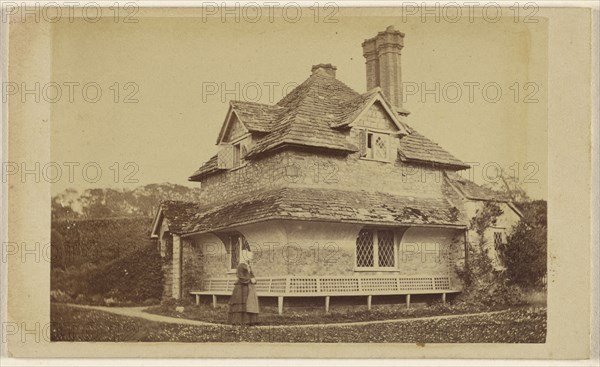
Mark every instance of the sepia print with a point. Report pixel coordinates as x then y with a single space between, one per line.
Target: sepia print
288 175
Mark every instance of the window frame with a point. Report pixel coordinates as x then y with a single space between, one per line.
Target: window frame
369 153
240 149
241 239
375 237
238 246
498 235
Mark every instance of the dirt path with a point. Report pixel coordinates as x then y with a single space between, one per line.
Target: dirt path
138 312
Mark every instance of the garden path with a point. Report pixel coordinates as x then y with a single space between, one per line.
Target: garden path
139 313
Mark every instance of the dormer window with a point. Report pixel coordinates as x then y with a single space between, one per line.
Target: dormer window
375 145
232 155
239 152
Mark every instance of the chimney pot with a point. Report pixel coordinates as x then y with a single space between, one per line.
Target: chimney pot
324 69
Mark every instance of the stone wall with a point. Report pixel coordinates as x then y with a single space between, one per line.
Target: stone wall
192 270
167 269
336 171
504 224
176 267
309 169
296 248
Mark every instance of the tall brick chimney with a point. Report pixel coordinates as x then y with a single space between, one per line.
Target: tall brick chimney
384 69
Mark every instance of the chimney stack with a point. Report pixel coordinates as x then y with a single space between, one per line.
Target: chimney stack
327 69
382 54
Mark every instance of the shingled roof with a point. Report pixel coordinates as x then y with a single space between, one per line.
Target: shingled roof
313 115
177 213
257 116
312 204
310 109
417 148
470 190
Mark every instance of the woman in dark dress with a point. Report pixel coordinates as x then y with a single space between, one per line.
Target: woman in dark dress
243 304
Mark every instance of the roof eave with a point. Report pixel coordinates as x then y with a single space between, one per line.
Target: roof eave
292 144
459 166
279 217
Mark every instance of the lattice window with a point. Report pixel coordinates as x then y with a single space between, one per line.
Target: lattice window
498 240
381 147
386 248
364 249
375 249
376 146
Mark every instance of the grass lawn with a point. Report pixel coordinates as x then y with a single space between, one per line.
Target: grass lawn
316 315
522 325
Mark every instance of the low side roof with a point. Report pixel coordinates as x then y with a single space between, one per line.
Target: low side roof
318 205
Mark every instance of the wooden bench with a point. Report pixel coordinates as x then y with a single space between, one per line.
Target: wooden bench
332 286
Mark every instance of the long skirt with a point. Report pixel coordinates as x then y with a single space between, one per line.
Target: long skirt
243 305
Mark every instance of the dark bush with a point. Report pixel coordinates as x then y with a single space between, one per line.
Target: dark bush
135 277
97 241
98 259
525 255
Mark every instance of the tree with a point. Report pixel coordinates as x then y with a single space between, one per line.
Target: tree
509 181
525 255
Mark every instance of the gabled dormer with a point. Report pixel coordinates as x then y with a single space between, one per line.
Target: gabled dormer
233 142
244 123
377 124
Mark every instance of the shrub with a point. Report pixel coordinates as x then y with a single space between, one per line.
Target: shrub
525 255
136 277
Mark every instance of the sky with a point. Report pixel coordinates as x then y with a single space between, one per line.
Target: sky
165 84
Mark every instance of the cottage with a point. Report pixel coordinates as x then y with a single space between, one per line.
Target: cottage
333 194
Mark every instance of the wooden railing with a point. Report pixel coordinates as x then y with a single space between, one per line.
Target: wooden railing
335 285
328 286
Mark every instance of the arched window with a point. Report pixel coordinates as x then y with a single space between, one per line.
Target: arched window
375 248
237 248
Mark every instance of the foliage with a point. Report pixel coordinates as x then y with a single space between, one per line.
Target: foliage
97 241
478 271
98 259
106 203
483 285
510 182
136 277
525 255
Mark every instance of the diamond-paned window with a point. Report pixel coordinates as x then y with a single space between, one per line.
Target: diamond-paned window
375 249
498 240
385 240
364 249
375 145
381 147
